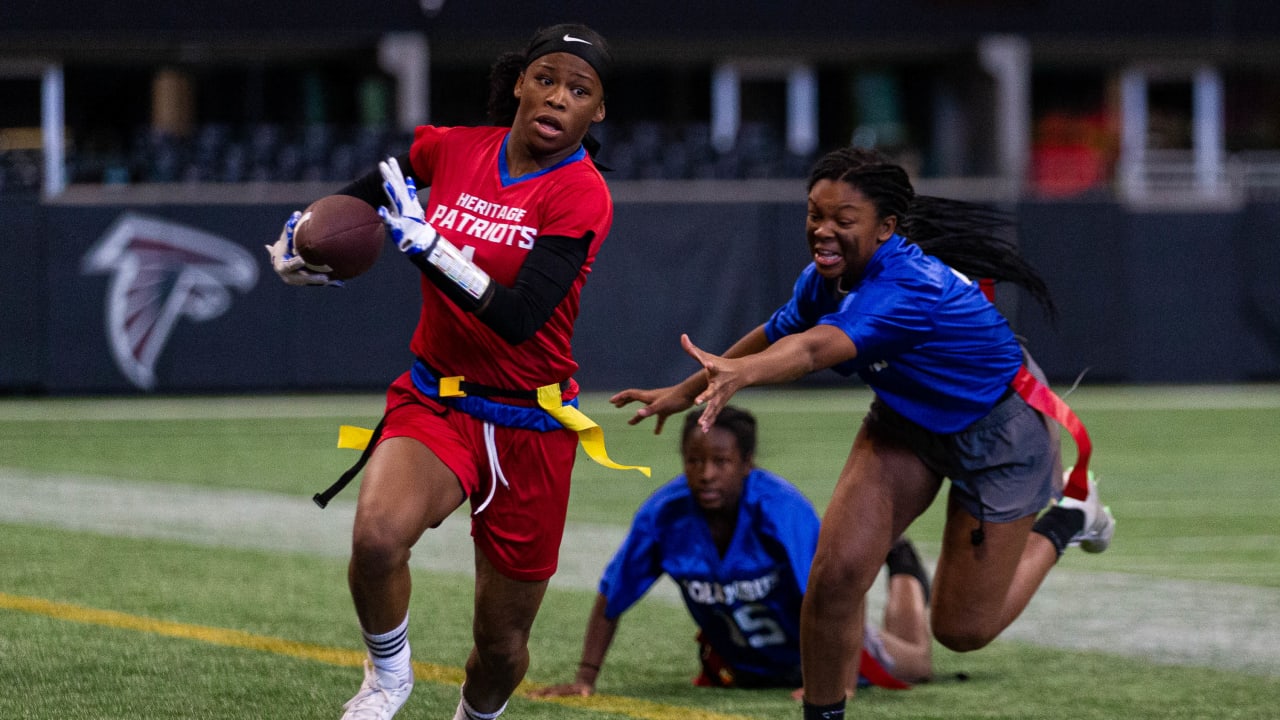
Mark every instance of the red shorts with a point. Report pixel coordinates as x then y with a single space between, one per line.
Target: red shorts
518 525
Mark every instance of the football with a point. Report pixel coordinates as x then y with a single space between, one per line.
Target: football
339 235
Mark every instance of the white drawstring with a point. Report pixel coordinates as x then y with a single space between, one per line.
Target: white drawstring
495 470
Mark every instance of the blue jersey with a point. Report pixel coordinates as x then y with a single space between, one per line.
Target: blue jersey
929 342
746 603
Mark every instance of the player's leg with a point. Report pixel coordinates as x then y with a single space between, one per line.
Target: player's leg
505 609
517 526
1086 523
905 628
1068 523
882 488
405 490
972 586
1004 468
981 589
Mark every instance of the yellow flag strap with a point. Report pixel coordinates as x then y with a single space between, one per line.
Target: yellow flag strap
351 437
355 438
589 433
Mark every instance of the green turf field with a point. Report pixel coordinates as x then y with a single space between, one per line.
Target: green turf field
162 560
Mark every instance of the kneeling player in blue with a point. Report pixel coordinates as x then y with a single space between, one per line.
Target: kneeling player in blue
738 541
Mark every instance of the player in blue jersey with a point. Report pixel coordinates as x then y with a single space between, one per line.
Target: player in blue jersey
738 541
889 296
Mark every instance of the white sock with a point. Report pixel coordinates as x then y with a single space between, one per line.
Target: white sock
466 712
389 651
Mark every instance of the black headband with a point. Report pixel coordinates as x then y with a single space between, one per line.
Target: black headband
567 41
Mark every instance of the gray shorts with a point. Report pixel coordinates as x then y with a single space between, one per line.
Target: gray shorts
1003 467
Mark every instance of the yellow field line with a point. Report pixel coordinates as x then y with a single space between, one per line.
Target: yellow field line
630 707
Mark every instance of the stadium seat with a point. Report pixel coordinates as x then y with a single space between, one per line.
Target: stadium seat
322 152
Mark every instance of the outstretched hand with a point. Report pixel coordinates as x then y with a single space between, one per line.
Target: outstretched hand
660 403
723 380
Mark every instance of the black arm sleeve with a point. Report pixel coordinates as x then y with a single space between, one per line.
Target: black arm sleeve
514 313
368 187
549 271
517 312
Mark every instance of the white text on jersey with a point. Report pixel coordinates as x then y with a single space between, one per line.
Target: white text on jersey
473 225
713 593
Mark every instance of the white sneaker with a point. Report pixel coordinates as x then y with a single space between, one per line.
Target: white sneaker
380 697
1099 525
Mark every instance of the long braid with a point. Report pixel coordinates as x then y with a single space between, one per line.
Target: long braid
970 237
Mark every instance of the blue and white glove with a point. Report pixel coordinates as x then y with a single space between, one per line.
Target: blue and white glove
416 238
288 264
407 222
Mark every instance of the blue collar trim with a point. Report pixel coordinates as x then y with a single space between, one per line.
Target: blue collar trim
504 172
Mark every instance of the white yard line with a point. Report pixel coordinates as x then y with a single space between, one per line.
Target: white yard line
1169 621
256 520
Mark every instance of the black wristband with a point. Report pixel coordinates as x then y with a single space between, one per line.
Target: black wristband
589 665
435 240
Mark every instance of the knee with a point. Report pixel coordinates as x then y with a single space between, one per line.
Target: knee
962 637
834 577
377 552
962 641
500 646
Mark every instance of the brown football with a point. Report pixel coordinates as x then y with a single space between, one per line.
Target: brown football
339 235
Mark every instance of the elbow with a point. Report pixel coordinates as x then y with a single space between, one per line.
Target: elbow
511 315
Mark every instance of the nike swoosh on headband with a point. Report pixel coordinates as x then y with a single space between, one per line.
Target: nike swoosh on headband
569 38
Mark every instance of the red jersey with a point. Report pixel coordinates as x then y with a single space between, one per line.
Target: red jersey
495 219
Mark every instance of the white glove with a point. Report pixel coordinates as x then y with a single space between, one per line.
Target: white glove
407 222
417 239
288 264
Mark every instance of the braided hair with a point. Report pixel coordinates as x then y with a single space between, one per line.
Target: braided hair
970 237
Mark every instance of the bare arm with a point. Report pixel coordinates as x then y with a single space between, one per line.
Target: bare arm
600 632
664 402
789 359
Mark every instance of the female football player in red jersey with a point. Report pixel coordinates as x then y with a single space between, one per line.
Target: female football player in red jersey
516 214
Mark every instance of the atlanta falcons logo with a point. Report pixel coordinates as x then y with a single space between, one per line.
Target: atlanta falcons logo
160 272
